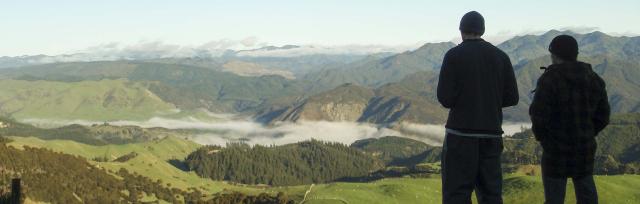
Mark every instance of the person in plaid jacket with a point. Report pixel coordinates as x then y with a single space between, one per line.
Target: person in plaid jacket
569 109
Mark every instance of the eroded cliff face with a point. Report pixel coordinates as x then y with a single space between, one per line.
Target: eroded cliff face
326 111
345 103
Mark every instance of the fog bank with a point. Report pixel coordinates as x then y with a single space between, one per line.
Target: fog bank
250 132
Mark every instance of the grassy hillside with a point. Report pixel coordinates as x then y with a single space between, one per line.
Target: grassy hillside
518 189
55 177
153 160
188 87
87 100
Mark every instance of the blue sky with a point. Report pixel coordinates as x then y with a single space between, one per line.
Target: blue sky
57 27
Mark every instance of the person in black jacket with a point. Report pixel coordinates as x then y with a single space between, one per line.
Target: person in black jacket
476 81
569 109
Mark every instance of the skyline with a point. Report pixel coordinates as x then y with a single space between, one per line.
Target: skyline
54 28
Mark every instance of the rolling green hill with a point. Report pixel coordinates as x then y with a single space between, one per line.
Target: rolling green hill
187 87
155 160
54 177
86 100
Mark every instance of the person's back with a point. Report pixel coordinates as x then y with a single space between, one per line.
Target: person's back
569 109
484 85
476 82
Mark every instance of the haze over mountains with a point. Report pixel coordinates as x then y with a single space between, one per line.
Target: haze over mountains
379 88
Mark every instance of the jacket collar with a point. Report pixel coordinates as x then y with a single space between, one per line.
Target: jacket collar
473 40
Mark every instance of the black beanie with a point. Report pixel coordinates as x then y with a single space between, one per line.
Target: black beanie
565 47
472 22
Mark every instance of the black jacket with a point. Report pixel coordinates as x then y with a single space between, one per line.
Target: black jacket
569 109
476 82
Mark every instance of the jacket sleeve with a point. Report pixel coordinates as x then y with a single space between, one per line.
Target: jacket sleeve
603 110
447 88
510 96
540 110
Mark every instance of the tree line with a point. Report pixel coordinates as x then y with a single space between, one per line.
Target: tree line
293 164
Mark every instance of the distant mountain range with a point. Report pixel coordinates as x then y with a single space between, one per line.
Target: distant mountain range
410 78
381 88
156 51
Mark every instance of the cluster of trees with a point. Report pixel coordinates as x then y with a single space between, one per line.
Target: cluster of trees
300 163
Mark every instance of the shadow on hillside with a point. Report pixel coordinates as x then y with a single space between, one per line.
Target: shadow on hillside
178 164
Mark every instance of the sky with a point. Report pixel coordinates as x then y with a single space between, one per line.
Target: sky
30 27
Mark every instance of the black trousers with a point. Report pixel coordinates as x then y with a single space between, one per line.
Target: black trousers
555 189
470 163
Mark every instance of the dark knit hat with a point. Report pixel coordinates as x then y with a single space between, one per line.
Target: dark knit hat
472 22
565 47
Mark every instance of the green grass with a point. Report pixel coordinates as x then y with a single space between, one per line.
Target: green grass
518 189
152 162
85 100
404 190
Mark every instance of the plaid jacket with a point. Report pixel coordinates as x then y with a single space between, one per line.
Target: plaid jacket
569 109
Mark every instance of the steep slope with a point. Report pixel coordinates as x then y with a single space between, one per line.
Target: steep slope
88 100
412 100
